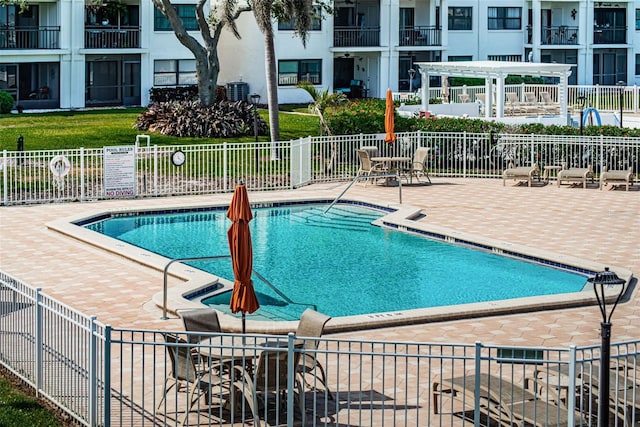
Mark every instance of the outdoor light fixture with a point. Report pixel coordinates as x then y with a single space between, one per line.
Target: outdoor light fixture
255 100
621 84
412 74
601 280
583 101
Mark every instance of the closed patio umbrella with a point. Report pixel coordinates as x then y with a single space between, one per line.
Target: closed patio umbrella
243 297
389 120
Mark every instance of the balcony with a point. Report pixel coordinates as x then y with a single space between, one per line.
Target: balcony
420 36
604 34
356 36
558 36
29 37
111 37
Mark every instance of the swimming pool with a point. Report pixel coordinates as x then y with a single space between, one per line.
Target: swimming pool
339 262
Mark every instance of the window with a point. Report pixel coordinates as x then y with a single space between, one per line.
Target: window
637 19
460 58
316 20
186 12
638 64
505 18
174 72
460 18
508 58
291 72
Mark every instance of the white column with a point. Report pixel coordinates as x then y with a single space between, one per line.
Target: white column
500 96
444 22
562 96
424 77
536 29
488 97
585 40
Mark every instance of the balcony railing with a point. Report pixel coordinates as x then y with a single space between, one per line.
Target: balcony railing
420 36
29 37
356 36
101 37
609 35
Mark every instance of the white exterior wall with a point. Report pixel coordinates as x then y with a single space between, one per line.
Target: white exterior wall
376 66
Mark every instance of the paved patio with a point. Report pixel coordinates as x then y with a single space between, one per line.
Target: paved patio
603 226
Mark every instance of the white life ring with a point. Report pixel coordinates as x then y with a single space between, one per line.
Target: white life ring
59 166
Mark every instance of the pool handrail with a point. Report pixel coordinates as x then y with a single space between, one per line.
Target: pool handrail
209 258
386 175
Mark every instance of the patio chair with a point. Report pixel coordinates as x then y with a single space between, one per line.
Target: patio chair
311 325
268 383
617 177
186 376
200 320
418 165
521 173
367 167
502 401
575 175
513 101
371 149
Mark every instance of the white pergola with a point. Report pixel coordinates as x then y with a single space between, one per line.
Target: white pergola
498 71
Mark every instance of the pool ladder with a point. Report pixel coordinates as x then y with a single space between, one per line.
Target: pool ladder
211 258
386 175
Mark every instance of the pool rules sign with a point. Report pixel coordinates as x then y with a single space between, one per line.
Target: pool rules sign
120 171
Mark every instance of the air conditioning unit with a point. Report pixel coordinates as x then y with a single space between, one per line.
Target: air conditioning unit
237 91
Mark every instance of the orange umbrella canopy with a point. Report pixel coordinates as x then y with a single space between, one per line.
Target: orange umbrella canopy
389 123
243 297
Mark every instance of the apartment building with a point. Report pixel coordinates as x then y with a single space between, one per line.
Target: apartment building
76 54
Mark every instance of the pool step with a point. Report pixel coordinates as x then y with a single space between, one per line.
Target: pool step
336 218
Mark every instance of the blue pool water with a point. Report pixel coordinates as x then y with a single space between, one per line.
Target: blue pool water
340 262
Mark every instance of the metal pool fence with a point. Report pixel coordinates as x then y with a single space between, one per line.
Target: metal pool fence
105 376
79 174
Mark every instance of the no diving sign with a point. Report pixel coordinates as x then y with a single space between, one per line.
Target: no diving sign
119 171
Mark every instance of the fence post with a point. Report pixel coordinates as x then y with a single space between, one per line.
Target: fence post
155 170
634 98
82 189
478 381
464 154
533 160
571 397
601 152
291 375
224 166
5 171
107 376
93 374
38 341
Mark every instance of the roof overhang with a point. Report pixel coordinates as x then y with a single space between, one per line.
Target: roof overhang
495 69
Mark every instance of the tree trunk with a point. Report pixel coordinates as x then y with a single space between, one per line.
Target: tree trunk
272 88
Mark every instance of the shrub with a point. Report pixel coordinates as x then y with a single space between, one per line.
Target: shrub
6 102
190 118
181 93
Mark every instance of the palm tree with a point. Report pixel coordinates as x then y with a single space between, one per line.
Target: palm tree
301 12
321 101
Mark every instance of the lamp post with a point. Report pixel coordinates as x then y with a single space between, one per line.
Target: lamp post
412 74
621 84
583 101
255 99
600 280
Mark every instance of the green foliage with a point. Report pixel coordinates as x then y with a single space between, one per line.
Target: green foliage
511 80
191 118
17 409
6 102
181 93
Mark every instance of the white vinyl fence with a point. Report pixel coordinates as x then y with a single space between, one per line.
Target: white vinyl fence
104 376
79 174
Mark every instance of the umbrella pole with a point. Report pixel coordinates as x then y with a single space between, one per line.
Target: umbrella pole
244 325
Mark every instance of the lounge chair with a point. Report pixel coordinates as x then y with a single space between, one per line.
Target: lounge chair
548 105
617 177
367 167
418 165
186 376
575 175
311 325
513 101
502 401
522 173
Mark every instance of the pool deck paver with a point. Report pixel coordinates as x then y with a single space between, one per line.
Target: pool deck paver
602 226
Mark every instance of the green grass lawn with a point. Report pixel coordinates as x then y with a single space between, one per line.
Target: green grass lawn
99 128
18 409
